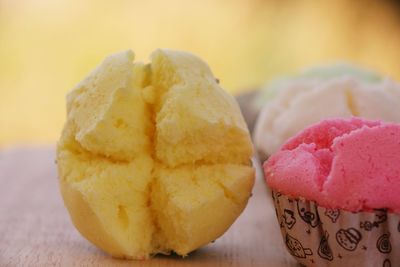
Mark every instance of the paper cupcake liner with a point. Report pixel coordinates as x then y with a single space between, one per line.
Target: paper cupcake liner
317 236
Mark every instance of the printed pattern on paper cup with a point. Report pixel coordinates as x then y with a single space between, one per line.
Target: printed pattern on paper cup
317 236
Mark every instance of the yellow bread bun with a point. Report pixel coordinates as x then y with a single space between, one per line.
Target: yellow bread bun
153 158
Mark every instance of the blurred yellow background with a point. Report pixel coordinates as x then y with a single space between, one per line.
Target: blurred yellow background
47 46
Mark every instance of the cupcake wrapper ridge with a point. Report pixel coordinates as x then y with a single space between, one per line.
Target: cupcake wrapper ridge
318 236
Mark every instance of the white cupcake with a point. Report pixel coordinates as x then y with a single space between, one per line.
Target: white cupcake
291 104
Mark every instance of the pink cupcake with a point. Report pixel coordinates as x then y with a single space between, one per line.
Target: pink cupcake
336 189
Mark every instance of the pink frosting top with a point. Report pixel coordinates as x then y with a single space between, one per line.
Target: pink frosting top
349 164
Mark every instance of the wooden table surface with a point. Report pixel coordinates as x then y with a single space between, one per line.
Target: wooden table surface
35 229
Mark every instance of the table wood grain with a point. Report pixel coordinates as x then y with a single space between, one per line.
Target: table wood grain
35 229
